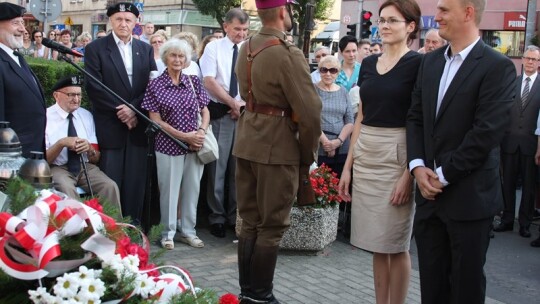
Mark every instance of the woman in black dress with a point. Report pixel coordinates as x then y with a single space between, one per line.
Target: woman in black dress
382 207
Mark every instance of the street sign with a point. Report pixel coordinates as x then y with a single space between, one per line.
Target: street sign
346 19
139 6
47 10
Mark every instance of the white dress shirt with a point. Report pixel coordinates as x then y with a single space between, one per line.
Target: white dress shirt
451 67
127 55
9 51
316 76
216 62
57 128
523 81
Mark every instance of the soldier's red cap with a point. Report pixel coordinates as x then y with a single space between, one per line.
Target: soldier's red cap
10 11
262 4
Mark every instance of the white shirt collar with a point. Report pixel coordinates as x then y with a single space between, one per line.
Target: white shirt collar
61 111
9 51
118 40
464 53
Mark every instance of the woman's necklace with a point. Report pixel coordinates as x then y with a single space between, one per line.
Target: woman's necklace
393 62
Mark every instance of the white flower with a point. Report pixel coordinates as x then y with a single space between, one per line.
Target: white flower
131 262
91 290
37 296
144 285
115 263
66 286
85 273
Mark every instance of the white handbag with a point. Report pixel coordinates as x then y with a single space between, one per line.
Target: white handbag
210 149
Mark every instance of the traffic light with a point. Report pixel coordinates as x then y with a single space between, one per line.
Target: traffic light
351 30
365 25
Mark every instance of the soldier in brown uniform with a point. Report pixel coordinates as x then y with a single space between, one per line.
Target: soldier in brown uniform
270 146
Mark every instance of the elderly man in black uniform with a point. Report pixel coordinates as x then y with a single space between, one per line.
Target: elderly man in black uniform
22 101
270 146
124 65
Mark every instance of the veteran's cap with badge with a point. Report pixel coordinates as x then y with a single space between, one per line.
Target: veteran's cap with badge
9 11
123 7
70 81
262 4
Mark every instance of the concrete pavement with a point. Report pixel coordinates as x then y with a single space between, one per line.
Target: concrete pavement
340 273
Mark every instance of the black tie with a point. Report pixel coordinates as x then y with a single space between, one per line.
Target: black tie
233 85
73 164
25 68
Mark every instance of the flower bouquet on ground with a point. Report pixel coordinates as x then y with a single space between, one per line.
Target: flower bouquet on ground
314 227
59 250
325 185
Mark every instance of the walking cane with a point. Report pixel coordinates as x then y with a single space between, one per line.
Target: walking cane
85 170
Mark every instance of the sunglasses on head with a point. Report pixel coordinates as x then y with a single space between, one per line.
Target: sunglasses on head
326 70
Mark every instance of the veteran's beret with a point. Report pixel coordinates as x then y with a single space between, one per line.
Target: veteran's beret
262 4
9 11
122 7
70 81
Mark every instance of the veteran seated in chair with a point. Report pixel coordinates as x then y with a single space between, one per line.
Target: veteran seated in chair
70 139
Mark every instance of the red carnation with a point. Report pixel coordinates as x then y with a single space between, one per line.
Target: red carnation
228 298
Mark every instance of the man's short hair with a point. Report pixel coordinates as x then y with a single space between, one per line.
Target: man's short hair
238 14
363 41
479 6
376 43
532 48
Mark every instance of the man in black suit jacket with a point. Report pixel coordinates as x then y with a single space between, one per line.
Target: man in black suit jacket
21 97
124 65
455 125
519 147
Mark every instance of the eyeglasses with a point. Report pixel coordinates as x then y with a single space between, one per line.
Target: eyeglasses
71 95
326 70
530 58
389 21
321 55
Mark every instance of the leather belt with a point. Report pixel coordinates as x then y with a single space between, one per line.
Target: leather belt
268 110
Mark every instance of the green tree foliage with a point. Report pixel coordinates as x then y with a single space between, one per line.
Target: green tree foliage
216 8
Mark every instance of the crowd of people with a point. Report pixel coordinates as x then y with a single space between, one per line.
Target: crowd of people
398 126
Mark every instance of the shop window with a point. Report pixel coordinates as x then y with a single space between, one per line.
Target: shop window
510 43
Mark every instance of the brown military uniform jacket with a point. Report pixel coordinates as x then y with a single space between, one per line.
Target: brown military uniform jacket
280 78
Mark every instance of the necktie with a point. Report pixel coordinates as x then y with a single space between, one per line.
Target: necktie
73 163
233 85
25 68
525 93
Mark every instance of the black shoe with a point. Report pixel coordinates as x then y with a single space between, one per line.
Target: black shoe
491 234
503 227
524 232
218 230
536 243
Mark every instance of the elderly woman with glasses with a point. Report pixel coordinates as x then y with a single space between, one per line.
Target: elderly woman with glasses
175 101
336 116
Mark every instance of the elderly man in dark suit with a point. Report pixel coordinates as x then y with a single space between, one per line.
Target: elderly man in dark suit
21 97
124 65
519 147
457 119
